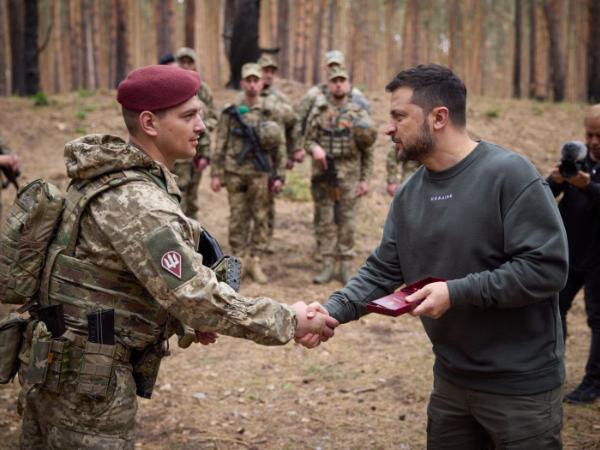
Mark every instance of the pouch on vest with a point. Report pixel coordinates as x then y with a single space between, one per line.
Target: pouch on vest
29 228
40 356
145 368
11 335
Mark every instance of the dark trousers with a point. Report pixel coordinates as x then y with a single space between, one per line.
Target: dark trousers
590 281
463 419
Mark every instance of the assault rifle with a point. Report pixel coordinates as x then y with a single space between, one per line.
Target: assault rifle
252 145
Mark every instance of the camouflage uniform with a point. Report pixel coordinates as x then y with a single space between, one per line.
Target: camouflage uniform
313 101
289 122
247 186
188 177
397 172
136 253
339 131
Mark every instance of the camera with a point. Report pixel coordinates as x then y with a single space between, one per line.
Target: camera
572 157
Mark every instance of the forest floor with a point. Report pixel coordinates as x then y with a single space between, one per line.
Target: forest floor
365 389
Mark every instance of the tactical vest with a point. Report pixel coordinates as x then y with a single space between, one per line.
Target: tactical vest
83 288
335 134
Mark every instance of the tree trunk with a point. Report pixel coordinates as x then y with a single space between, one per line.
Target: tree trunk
317 54
593 51
532 48
164 27
121 42
16 13
553 12
283 40
241 17
190 22
4 72
517 53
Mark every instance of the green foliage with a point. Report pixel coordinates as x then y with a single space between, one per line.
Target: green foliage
80 130
84 93
296 187
537 110
89 108
80 115
493 113
40 99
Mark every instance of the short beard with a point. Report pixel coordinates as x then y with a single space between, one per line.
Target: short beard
420 149
339 96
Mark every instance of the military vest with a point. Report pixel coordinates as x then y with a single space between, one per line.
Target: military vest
334 132
82 287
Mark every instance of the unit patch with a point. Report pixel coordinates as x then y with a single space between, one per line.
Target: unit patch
171 262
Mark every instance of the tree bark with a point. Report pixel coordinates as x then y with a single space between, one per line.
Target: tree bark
593 52
121 42
190 22
16 13
164 27
241 17
517 53
532 48
283 40
4 72
553 12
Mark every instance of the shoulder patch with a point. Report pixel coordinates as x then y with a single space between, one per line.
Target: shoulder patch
169 257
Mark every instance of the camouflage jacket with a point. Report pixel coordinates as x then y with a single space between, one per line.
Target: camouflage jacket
288 116
133 228
210 116
397 171
335 129
228 145
313 100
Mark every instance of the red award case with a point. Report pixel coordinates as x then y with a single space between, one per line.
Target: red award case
395 304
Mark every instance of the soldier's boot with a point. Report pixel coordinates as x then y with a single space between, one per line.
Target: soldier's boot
255 270
345 270
326 273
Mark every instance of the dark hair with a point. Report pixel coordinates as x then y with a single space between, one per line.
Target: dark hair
434 85
167 58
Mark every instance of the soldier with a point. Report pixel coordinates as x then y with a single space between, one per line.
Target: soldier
340 140
397 170
249 159
130 245
310 103
189 172
9 169
289 120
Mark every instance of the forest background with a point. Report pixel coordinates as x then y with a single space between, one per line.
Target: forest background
542 49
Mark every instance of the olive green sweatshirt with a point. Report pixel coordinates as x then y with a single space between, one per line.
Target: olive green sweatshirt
490 226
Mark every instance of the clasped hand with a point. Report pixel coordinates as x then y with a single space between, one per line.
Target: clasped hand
315 325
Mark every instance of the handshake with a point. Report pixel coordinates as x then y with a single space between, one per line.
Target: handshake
315 325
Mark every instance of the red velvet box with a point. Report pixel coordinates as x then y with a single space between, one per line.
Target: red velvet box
395 304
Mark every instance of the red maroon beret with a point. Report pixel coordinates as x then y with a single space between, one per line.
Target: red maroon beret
153 88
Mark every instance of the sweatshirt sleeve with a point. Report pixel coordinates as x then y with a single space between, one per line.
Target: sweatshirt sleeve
379 276
537 263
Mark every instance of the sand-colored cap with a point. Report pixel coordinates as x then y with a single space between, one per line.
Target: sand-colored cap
334 57
186 51
267 61
250 69
337 72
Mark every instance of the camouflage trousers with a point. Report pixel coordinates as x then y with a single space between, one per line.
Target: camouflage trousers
271 215
335 221
69 420
188 181
248 213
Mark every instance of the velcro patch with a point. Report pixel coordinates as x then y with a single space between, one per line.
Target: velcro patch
170 257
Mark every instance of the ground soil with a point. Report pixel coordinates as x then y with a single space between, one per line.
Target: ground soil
365 389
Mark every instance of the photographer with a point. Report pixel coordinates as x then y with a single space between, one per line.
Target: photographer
9 169
580 211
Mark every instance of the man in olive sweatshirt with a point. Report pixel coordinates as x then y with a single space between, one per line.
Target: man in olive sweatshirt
482 218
